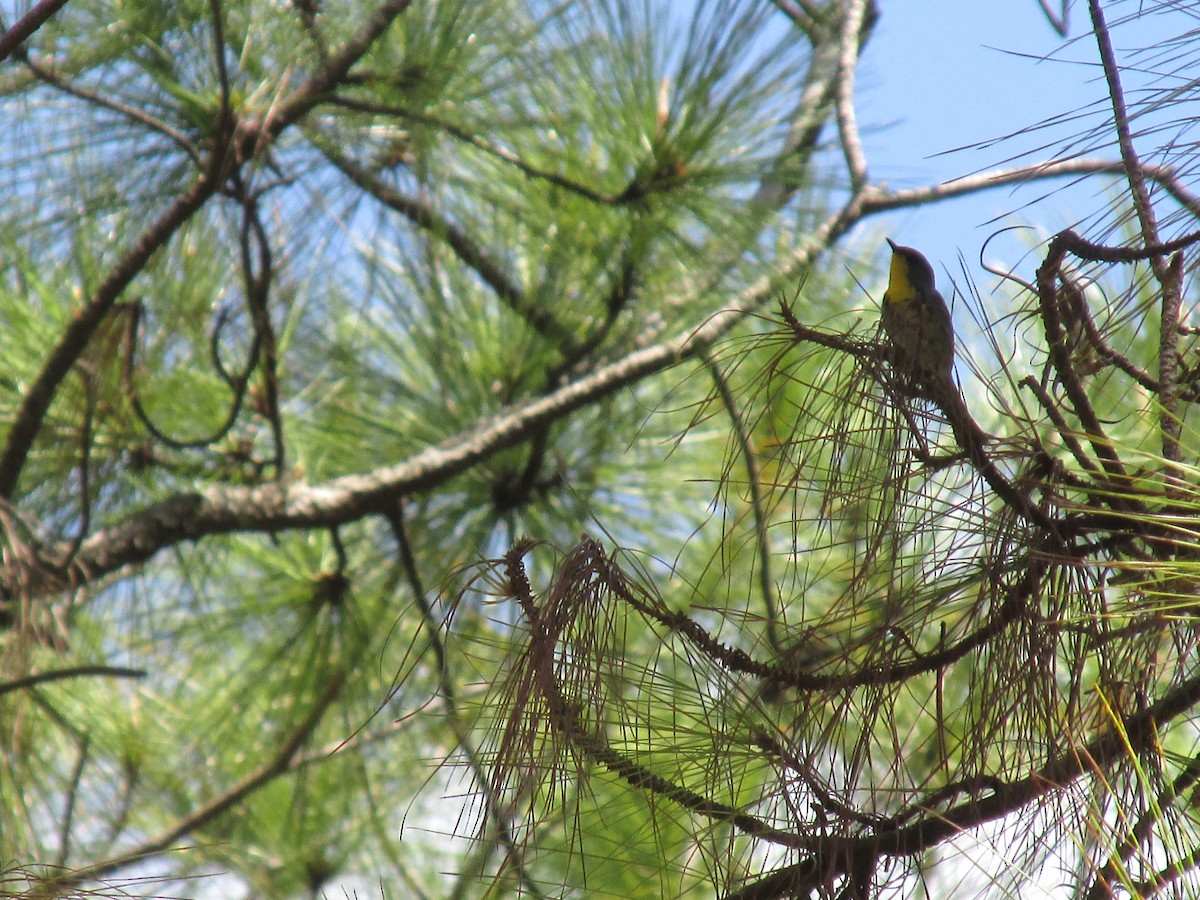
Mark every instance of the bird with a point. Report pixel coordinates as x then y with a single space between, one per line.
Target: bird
918 326
920 332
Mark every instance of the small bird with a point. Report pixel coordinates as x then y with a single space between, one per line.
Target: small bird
917 323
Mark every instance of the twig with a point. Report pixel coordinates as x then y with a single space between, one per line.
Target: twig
495 808
36 401
474 140
1169 276
68 819
1169 422
817 94
237 383
620 293
257 275
831 856
35 18
1059 21
88 377
464 246
1050 408
218 31
132 113
848 46
1133 168
276 766
802 14
1096 341
973 440
881 201
1047 277
762 533
27 681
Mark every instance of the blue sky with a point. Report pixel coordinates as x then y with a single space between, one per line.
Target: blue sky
939 75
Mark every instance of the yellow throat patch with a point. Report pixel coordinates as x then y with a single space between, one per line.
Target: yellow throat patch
900 288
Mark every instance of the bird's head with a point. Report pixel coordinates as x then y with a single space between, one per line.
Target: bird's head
910 276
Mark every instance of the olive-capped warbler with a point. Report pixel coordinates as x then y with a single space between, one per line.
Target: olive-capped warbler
917 322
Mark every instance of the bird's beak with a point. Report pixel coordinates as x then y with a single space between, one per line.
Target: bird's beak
891 244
